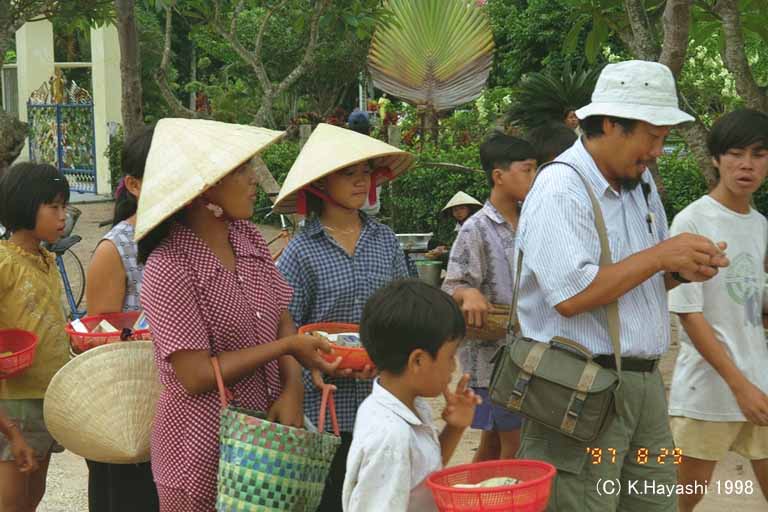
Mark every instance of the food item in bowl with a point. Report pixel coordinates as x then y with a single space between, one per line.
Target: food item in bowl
344 339
105 326
496 481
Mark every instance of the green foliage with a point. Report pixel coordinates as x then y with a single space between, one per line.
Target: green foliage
683 183
544 97
279 159
114 154
412 203
529 36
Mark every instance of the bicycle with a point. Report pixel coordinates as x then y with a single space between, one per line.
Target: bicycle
69 265
287 229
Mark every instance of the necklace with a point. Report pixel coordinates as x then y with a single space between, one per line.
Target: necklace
351 231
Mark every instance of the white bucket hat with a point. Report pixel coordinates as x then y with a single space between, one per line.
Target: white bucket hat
187 157
101 404
461 199
636 89
331 148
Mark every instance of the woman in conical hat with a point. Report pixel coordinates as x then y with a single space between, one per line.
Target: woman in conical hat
340 258
461 207
210 288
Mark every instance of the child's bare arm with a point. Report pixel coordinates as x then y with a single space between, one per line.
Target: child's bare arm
458 413
449 440
752 401
473 304
23 454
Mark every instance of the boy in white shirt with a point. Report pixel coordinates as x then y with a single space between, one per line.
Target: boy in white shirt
411 331
718 399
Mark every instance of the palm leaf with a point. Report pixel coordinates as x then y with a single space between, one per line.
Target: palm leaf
432 52
544 97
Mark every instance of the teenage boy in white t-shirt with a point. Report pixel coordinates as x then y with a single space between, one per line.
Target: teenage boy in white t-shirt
718 400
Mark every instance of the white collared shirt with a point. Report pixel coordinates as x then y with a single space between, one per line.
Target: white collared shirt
561 250
393 450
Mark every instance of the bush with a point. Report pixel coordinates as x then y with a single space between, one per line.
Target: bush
114 154
412 203
683 183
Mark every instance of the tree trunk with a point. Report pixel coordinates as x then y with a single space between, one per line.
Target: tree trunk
695 136
130 67
735 58
644 44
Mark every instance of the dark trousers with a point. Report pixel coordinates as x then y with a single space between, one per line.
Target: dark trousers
334 484
121 488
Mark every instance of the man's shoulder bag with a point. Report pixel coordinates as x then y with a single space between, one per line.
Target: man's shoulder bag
558 384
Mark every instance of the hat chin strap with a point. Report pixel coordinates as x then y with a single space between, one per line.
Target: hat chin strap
301 195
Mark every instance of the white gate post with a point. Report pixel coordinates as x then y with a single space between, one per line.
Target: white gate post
107 95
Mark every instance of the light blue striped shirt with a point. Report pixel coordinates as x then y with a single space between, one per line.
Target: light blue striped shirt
562 252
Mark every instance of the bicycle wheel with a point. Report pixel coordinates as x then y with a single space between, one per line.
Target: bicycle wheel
76 277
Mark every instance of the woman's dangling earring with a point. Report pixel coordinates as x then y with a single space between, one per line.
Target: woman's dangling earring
217 210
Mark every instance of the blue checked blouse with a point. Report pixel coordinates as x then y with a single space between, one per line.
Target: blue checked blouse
331 286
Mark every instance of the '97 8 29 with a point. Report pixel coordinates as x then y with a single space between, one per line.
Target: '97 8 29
642 456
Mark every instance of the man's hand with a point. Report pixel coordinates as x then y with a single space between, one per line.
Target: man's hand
474 306
460 405
753 403
694 257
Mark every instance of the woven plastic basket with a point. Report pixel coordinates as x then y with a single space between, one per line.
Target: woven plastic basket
270 467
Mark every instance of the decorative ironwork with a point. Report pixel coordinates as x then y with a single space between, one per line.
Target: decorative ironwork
61 131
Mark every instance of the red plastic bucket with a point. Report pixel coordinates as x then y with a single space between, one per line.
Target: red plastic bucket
22 345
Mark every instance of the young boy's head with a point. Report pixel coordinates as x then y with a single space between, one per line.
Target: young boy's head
412 330
509 163
738 144
550 140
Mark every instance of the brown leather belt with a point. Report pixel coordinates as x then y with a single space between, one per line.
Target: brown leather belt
629 364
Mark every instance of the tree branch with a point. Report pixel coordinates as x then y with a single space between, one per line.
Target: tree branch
676 21
644 44
161 74
735 57
314 32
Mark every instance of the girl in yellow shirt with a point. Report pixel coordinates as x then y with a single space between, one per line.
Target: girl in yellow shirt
33 198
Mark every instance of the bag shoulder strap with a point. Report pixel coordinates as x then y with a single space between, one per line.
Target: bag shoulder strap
612 309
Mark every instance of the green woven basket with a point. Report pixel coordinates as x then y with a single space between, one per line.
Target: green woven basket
265 466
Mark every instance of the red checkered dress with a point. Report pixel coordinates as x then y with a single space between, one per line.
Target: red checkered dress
192 302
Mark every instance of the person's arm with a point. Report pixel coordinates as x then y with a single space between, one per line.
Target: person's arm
181 336
105 281
561 247
458 413
752 401
288 409
23 454
465 274
694 257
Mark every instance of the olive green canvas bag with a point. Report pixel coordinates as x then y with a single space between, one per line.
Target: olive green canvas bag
558 384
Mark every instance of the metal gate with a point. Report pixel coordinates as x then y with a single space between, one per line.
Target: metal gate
61 131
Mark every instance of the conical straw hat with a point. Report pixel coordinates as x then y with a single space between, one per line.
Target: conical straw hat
331 148
101 404
187 157
461 199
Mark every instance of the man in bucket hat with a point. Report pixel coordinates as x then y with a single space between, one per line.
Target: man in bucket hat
563 287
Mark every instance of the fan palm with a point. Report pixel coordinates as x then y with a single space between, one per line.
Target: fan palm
541 98
434 54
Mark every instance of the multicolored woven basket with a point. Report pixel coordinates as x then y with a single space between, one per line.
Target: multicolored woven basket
265 466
